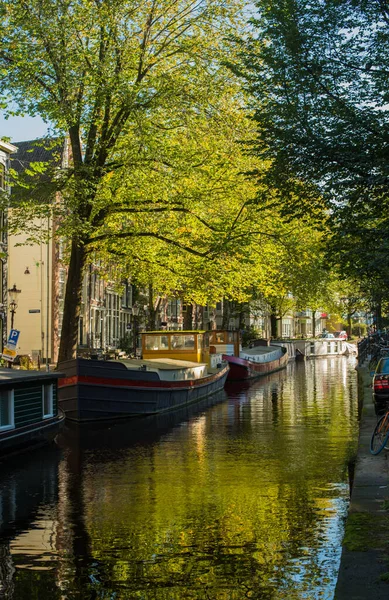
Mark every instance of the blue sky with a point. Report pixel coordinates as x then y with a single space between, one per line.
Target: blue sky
21 129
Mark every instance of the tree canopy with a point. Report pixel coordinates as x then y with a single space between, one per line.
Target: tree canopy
317 72
98 71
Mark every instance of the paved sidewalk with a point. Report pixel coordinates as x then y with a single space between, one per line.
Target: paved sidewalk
364 568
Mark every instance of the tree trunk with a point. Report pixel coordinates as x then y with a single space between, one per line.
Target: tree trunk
349 324
188 318
151 316
273 322
314 323
226 313
379 314
242 315
72 304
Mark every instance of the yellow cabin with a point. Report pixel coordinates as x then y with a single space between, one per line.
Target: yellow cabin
192 346
224 342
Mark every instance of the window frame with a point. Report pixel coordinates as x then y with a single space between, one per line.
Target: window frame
3 182
11 409
51 414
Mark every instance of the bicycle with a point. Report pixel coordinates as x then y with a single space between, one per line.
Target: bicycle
379 439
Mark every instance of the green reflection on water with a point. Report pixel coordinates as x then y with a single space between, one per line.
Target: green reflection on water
243 500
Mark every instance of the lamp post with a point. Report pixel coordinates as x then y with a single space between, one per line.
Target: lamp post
135 313
13 294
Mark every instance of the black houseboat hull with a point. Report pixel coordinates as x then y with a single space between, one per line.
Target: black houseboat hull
30 415
30 436
96 390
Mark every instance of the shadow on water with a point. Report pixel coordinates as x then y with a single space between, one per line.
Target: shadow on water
28 483
118 435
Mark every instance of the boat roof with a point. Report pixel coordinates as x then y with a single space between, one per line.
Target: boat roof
11 376
175 331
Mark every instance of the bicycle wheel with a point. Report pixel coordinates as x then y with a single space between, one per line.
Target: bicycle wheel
380 435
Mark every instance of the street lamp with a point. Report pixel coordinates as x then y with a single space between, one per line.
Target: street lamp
13 294
135 313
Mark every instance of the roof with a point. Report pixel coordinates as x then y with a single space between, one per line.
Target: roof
41 150
37 186
12 376
174 332
7 147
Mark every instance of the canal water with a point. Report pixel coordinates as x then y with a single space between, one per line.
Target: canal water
242 497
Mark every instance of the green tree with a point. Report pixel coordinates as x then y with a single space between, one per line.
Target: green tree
317 72
95 70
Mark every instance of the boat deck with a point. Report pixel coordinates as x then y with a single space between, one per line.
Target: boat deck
257 350
165 364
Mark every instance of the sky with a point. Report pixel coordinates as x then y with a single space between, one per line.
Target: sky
21 129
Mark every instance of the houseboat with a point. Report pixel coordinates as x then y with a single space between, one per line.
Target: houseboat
175 370
247 363
29 414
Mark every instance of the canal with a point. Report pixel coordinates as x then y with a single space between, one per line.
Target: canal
242 497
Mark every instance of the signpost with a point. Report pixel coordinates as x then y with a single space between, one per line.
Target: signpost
10 348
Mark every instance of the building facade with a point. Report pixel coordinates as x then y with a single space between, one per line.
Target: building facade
39 270
6 151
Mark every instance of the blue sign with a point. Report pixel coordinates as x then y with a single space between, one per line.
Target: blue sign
13 337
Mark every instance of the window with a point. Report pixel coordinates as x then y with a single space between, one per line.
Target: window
7 409
182 342
383 366
286 330
156 342
328 347
47 400
2 176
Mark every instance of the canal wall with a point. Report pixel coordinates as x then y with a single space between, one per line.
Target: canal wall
364 567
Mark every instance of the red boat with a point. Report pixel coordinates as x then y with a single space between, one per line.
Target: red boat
247 363
244 368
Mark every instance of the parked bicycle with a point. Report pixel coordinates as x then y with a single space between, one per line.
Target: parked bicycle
380 438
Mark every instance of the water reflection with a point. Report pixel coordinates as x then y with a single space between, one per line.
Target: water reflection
241 497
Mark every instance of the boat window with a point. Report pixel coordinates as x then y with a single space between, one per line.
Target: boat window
212 338
230 336
157 342
6 409
182 342
220 337
47 400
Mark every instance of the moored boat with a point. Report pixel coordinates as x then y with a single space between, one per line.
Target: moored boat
252 363
174 371
29 413
247 363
